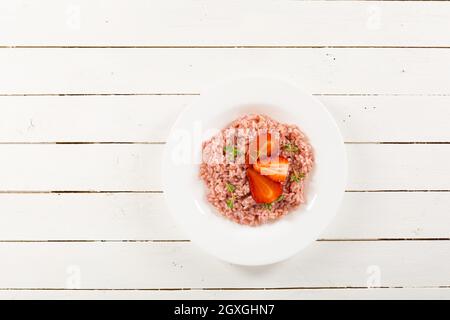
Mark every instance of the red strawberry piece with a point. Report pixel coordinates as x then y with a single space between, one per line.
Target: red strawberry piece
276 169
263 189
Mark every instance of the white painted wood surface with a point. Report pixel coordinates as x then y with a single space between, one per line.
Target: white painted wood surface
143 216
231 23
135 167
89 90
97 118
235 294
182 265
191 70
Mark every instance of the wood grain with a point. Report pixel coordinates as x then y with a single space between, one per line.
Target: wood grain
135 167
182 265
238 23
118 73
25 119
291 294
144 217
131 71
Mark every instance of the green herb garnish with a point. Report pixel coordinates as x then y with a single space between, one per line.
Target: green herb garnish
296 177
269 206
289 147
230 202
230 188
231 151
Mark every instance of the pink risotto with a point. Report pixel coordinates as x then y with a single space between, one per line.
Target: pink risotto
255 169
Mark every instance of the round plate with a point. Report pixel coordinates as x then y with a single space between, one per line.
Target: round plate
186 193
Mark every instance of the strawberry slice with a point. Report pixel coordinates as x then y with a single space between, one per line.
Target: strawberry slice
276 169
262 188
266 144
262 146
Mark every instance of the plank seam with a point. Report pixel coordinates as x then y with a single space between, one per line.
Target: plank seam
333 94
230 289
445 47
189 241
163 142
401 190
161 192
95 94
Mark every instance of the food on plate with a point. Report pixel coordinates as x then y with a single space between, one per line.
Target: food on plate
262 189
276 168
255 169
261 147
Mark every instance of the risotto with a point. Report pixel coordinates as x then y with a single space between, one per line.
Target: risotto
255 169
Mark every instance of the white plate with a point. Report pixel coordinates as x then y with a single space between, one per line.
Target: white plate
186 194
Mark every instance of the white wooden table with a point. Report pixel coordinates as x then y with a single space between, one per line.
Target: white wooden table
89 89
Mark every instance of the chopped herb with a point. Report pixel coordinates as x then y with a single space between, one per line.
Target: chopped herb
268 206
230 188
289 147
231 151
230 203
296 177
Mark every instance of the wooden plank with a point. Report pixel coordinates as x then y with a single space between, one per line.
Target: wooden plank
86 217
325 70
116 217
182 265
294 294
133 118
188 23
88 118
398 167
391 215
391 118
134 167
